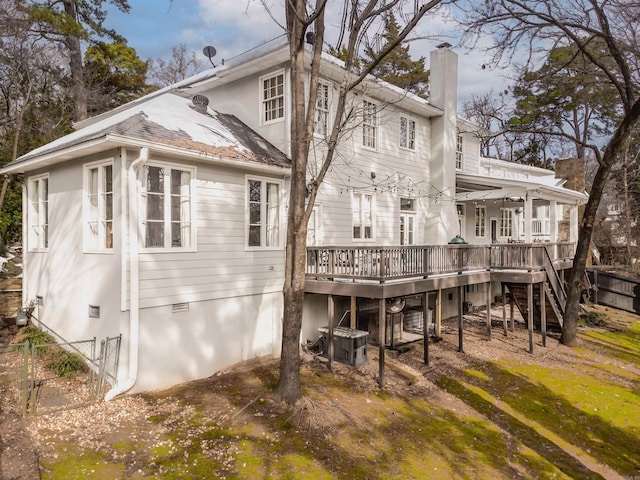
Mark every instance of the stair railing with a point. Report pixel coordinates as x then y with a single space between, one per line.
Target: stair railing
555 282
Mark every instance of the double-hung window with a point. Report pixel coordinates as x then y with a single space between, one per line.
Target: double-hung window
168 204
369 124
98 181
272 95
321 120
481 219
459 151
38 235
407 132
363 216
506 222
263 206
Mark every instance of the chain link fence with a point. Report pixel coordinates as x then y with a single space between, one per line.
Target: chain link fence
59 376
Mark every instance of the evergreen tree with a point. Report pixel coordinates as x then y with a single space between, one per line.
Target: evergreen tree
397 67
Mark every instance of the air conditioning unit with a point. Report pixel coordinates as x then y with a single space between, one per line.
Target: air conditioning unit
349 345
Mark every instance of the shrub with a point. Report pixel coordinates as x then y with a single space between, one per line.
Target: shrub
66 364
592 319
34 336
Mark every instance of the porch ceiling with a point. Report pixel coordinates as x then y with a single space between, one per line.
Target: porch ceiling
502 189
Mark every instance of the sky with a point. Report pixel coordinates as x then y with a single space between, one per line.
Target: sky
153 27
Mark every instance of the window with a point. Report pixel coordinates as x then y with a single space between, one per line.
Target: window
363 216
263 204
167 207
459 154
39 213
407 221
506 222
321 121
272 91
314 227
407 132
98 207
369 124
481 220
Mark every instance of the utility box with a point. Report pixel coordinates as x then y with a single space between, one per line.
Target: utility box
349 345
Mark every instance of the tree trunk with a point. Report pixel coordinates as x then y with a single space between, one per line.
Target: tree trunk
75 63
574 288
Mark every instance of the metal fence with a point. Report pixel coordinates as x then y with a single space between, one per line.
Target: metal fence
615 290
37 372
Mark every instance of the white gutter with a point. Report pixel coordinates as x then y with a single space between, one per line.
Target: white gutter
134 300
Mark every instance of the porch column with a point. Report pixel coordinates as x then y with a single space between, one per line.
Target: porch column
573 223
382 335
553 227
511 311
528 218
331 313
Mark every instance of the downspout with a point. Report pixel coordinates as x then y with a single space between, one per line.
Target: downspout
134 311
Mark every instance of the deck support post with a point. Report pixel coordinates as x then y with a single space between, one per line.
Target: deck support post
504 308
382 334
488 296
425 326
460 319
331 308
438 324
543 315
353 312
530 314
512 313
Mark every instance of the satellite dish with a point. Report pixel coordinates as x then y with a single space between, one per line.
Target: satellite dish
209 52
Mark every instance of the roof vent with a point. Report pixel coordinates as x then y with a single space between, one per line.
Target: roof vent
200 103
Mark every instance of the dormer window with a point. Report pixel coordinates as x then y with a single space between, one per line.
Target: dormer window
272 93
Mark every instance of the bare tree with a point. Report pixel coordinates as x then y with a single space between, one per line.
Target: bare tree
537 27
180 66
302 17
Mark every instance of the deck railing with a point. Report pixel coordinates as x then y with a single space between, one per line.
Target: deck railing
390 263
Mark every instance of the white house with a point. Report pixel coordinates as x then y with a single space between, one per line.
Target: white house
164 219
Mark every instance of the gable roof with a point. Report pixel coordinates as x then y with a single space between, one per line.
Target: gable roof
168 121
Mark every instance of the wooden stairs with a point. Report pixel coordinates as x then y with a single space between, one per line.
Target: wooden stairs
554 295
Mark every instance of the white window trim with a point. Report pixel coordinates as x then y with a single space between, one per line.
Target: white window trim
373 218
501 229
261 108
484 225
86 206
192 210
281 217
376 125
319 228
415 133
31 236
459 152
329 86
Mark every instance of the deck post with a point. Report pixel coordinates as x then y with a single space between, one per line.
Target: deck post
353 312
504 308
382 334
543 315
460 319
512 312
489 311
438 324
425 326
530 314
331 307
